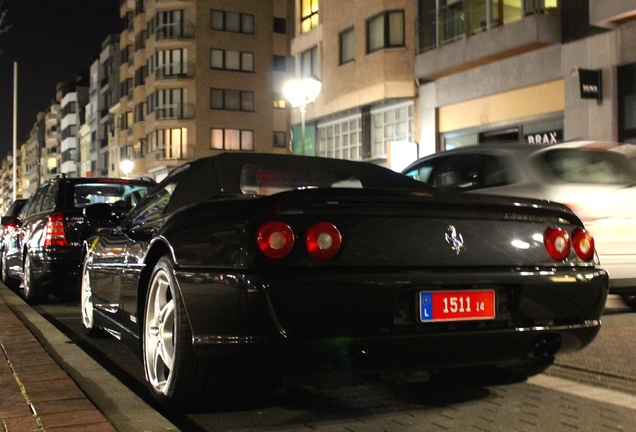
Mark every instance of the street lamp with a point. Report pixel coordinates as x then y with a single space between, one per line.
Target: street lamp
299 93
126 166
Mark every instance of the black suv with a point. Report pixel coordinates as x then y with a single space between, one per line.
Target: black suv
44 251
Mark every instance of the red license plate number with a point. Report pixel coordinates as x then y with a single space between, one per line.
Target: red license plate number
456 305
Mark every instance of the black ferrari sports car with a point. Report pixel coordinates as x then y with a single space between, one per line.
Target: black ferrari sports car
262 265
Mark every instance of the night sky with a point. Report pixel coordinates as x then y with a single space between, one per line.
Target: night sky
52 41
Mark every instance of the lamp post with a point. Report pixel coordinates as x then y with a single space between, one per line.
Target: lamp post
126 166
299 93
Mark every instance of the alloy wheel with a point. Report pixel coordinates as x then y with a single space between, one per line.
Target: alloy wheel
159 332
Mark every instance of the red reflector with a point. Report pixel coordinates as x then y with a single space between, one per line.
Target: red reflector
275 239
54 231
557 243
323 240
583 244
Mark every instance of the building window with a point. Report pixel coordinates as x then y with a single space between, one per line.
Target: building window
232 22
231 139
391 124
140 75
347 46
169 63
168 24
69 108
280 63
231 100
168 103
308 15
232 60
385 30
280 101
280 139
171 143
69 131
341 139
280 25
140 111
309 62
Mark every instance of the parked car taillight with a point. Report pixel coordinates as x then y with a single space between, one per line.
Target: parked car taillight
323 240
583 244
275 239
557 243
9 228
54 231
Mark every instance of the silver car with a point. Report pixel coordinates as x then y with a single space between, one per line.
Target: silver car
597 180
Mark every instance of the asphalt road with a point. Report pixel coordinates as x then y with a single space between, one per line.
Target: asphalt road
594 390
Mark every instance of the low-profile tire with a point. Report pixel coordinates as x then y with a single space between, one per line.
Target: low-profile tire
34 292
87 306
173 373
4 273
629 300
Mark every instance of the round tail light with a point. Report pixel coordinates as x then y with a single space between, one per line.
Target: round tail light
275 239
583 244
557 243
323 240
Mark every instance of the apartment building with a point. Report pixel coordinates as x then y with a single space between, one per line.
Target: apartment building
533 71
364 56
72 96
202 77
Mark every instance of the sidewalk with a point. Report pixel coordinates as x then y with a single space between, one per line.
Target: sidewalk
49 384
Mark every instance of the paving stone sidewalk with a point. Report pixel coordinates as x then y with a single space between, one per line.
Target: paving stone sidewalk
35 392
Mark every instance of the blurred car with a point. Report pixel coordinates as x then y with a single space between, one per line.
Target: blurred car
247 265
6 230
594 179
43 253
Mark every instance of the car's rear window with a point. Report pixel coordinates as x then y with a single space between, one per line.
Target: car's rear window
266 180
123 195
590 166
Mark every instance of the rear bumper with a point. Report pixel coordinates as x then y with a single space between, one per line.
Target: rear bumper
391 354
58 268
310 318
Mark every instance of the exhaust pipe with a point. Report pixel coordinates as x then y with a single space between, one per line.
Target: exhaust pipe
545 346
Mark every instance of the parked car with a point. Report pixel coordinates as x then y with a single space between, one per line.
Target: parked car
43 253
259 265
595 179
6 230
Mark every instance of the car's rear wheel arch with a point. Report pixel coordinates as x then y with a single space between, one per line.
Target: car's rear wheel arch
157 250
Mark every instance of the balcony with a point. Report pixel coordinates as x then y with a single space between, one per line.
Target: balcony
174 71
175 31
171 153
469 34
174 112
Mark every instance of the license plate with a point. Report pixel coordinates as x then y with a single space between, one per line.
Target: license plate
457 305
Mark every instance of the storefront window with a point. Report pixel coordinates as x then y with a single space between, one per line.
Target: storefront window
548 131
391 124
341 139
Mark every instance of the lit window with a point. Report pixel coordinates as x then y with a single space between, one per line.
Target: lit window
231 139
309 15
